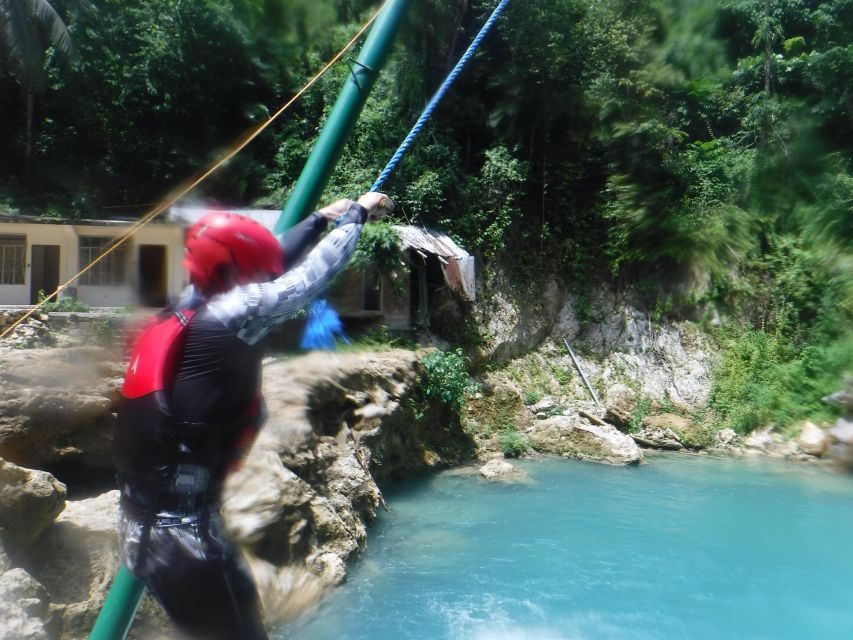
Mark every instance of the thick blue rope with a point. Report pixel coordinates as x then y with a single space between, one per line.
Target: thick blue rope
431 105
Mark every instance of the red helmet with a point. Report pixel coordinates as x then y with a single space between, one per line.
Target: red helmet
223 249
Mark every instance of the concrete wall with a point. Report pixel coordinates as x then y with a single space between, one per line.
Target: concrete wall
67 237
347 297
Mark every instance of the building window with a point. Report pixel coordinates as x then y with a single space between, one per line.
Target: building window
12 263
110 270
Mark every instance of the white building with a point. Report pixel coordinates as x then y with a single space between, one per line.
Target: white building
38 254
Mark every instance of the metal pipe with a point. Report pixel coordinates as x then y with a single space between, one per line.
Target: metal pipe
121 604
341 120
583 376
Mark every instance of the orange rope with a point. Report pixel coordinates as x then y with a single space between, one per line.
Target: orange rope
188 186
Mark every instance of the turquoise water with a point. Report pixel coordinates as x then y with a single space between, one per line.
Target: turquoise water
681 547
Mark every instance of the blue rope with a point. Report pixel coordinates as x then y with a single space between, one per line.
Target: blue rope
392 164
323 323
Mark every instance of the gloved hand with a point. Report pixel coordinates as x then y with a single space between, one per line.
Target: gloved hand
377 205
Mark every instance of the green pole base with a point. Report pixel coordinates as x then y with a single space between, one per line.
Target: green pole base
116 615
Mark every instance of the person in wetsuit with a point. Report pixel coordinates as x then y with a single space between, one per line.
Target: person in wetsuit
191 407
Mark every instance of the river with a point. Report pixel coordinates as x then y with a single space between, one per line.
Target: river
681 547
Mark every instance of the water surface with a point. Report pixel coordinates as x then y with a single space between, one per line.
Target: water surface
681 547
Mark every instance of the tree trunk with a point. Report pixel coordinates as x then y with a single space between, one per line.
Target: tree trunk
29 96
768 51
457 26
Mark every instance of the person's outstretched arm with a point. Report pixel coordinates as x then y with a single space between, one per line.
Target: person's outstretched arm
304 234
252 310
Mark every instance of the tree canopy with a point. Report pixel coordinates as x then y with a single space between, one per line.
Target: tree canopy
699 151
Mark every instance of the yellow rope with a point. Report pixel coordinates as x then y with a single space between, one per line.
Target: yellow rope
188 186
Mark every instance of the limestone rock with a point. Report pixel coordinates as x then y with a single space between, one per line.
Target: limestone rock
657 438
620 402
667 421
498 470
329 567
842 432
5 563
812 440
57 406
30 501
844 397
841 447
265 506
574 437
767 442
516 319
726 437
545 405
24 607
661 360
338 422
82 542
762 440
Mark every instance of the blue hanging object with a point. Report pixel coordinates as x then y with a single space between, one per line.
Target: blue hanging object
324 328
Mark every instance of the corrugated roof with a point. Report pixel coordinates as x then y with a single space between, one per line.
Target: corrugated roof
429 240
457 264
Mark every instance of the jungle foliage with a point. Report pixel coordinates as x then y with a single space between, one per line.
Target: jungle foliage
699 151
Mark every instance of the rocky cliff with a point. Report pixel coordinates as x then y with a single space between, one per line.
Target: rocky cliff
339 426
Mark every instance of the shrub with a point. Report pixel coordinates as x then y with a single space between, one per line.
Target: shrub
532 397
444 378
764 379
62 304
513 443
635 424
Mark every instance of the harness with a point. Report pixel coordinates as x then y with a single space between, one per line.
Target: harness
165 467
157 474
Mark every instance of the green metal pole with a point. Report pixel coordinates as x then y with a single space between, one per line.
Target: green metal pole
340 122
116 615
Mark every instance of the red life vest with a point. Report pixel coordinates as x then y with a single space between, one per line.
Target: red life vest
145 445
156 354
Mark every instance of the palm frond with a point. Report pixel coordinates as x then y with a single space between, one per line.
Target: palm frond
26 28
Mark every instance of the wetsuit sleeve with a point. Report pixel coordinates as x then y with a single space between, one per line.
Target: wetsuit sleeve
299 237
252 310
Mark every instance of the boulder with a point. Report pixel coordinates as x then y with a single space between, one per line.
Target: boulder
841 447
24 608
620 402
666 421
767 442
30 501
57 406
725 437
542 408
76 560
499 470
812 439
656 438
844 397
574 437
842 432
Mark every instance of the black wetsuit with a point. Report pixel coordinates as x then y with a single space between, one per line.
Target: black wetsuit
174 449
